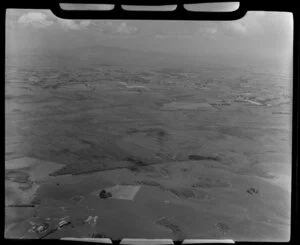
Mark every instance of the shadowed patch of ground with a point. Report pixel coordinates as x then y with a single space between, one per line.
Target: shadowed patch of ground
207 182
202 158
174 228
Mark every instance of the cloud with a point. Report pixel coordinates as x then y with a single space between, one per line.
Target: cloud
123 28
72 25
172 31
43 20
114 28
208 31
227 28
259 13
234 28
68 24
251 24
35 19
238 27
173 36
84 23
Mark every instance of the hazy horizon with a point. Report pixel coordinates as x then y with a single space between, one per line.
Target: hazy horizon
259 38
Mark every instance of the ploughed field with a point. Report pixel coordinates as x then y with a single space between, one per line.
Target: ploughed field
184 153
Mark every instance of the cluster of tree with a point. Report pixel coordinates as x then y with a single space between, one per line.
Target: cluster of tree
252 190
105 194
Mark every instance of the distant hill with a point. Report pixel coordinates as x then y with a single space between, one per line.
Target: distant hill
99 55
106 55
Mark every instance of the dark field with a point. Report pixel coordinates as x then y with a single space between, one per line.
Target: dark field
177 148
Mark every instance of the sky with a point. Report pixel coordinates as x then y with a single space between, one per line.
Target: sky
258 37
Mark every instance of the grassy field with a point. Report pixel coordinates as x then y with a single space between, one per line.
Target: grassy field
191 142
